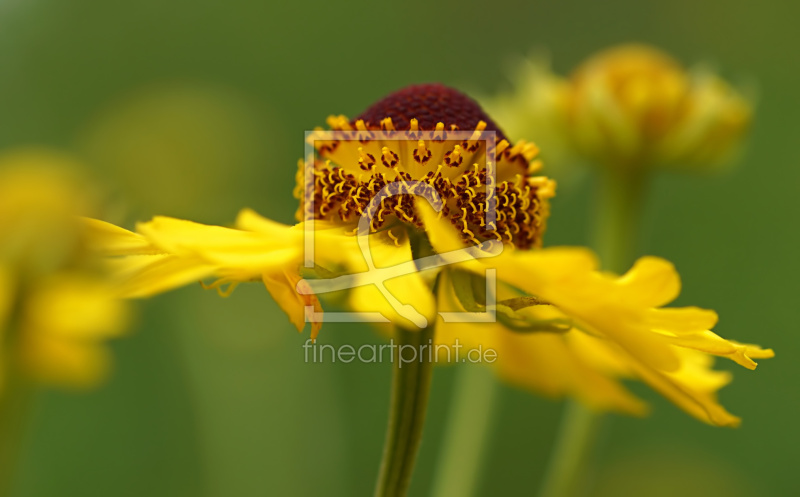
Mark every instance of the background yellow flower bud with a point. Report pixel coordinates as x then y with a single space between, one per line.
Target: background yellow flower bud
634 106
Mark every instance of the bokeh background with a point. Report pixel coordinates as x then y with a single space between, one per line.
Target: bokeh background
197 108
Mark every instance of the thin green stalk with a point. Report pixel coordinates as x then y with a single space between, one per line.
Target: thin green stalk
411 382
618 206
467 433
567 474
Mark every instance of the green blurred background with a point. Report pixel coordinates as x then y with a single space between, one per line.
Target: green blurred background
196 109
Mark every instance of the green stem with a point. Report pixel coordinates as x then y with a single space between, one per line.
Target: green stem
619 203
567 474
15 400
411 382
470 418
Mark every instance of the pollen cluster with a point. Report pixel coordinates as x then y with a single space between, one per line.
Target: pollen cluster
485 184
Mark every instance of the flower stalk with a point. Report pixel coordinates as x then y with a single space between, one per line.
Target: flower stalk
470 421
411 381
570 463
619 203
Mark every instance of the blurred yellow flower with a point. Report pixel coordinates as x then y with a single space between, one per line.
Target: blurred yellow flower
56 308
634 106
630 106
563 327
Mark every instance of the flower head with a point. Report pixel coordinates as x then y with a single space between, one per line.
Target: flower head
410 136
56 308
562 326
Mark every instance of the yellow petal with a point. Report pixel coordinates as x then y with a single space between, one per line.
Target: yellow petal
545 363
109 240
567 278
259 249
692 388
441 233
411 292
651 282
249 220
543 360
282 286
710 342
681 319
177 236
147 275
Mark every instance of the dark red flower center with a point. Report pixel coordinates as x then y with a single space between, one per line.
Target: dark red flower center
430 104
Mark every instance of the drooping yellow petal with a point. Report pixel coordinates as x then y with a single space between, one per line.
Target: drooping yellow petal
542 360
545 363
258 249
177 236
692 387
440 232
109 240
141 276
710 342
651 282
410 290
282 286
594 298
680 319
249 220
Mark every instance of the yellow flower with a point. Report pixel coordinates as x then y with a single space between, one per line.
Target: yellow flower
56 308
562 326
634 106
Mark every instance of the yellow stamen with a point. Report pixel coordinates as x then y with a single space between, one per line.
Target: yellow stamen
501 147
453 158
387 124
421 153
394 238
529 151
389 158
366 161
474 141
339 122
439 134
